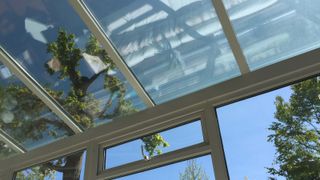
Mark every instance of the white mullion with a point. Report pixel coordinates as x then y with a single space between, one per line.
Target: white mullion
91 166
217 153
38 90
98 32
230 35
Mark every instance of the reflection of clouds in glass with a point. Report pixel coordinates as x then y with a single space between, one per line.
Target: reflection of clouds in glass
5 72
251 9
128 17
150 19
177 4
35 28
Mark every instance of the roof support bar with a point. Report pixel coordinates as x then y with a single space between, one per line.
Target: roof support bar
4 137
230 35
98 32
38 90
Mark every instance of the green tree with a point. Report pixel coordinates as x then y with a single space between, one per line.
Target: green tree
193 171
79 102
296 133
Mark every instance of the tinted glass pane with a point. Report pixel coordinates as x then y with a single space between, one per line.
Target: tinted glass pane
197 168
49 39
177 138
66 168
6 151
275 134
173 47
272 30
24 116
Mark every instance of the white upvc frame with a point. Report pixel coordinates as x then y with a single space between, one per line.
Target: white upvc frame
170 157
167 114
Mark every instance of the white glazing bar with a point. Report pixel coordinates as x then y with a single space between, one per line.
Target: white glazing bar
218 157
37 89
230 35
97 31
91 165
4 137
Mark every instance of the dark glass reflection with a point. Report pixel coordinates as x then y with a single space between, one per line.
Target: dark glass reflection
24 116
270 31
58 169
174 47
52 43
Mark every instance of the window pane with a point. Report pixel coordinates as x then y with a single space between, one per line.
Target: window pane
275 134
70 167
24 116
174 47
271 30
6 151
197 168
49 39
177 138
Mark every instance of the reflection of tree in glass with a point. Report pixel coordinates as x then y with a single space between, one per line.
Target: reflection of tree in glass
193 171
296 133
80 103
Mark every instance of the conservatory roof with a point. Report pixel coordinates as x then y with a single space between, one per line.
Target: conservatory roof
67 66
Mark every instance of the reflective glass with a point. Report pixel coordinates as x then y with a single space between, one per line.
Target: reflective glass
24 116
176 138
6 151
70 167
174 47
274 135
52 43
274 30
194 169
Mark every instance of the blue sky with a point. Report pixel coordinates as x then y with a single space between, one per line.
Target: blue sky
244 128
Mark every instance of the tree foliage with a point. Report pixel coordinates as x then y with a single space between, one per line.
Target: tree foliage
84 107
296 133
193 171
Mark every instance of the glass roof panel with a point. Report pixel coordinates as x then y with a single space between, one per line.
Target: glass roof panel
272 30
173 47
24 116
52 43
5 151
